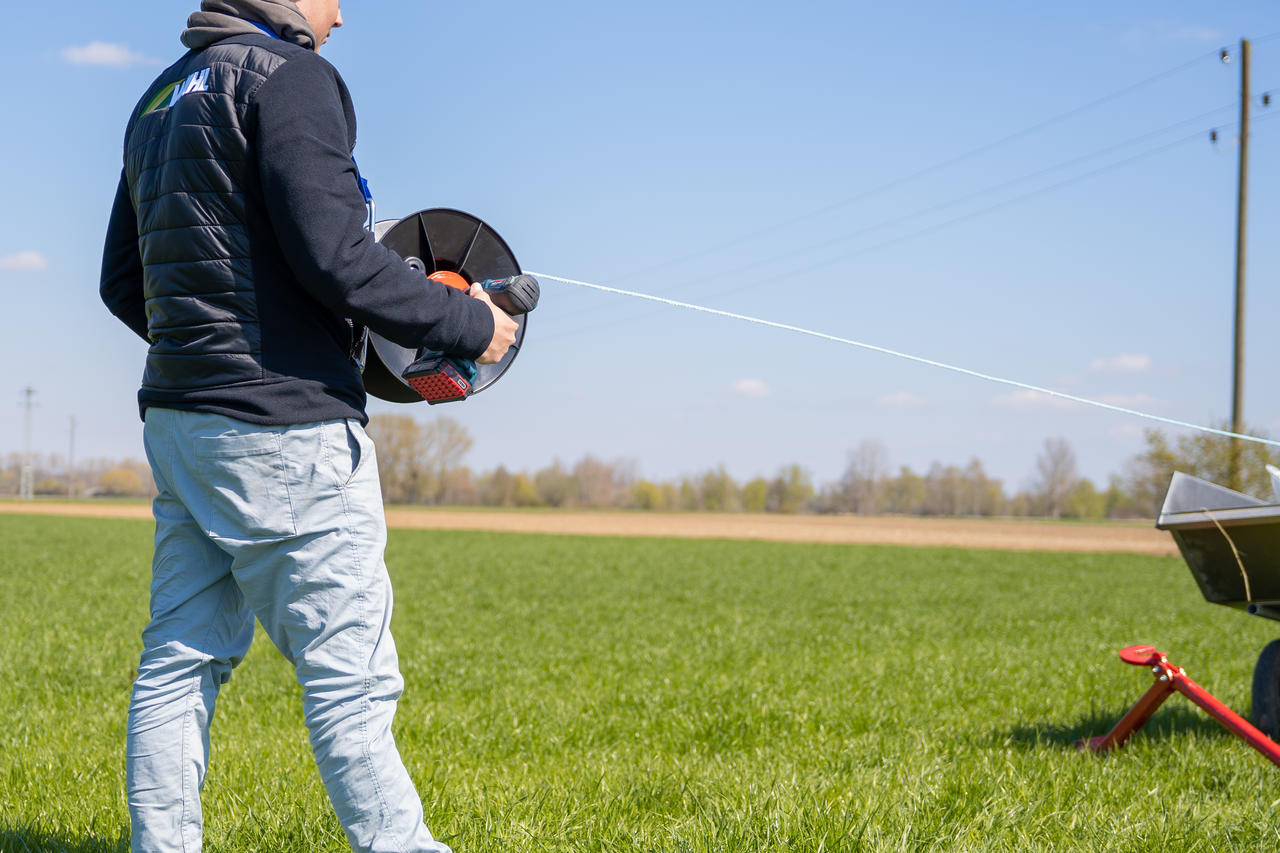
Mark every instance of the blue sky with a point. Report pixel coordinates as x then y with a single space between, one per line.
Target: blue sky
917 176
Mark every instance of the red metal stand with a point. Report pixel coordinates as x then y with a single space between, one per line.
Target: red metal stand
1170 678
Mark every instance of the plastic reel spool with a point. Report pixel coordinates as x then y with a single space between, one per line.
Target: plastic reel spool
435 240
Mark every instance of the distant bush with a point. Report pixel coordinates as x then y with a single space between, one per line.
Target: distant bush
122 482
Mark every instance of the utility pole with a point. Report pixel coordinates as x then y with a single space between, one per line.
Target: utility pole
71 461
1235 478
26 485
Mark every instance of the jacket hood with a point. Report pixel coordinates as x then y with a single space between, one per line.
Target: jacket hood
220 19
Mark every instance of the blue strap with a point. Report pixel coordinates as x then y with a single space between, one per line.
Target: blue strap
265 29
364 185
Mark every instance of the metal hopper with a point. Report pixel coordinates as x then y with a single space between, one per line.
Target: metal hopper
1231 543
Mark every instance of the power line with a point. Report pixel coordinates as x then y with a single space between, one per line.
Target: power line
934 208
936 167
26 484
977 213
800 271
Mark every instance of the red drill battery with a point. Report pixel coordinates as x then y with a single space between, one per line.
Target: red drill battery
437 380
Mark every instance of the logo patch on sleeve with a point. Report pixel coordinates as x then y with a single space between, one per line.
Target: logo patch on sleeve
195 82
169 95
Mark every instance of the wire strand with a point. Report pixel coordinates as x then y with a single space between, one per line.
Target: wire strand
759 281
987 377
1006 184
935 167
756 263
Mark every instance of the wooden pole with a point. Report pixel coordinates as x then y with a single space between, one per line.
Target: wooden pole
1242 195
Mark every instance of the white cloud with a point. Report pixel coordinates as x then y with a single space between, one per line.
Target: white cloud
1027 399
1195 33
105 54
751 388
26 261
901 400
1167 31
1139 401
1128 430
1122 363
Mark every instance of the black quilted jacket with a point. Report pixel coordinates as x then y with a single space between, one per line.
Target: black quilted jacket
236 244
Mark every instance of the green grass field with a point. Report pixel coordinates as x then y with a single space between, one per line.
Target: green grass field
597 694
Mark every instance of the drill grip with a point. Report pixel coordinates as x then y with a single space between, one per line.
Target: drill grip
515 295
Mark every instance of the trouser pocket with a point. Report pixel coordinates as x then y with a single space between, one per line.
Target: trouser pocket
349 447
247 485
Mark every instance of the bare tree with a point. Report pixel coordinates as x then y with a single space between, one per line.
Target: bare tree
863 479
415 461
984 495
598 485
444 444
554 485
397 438
498 487
946 490
1056 476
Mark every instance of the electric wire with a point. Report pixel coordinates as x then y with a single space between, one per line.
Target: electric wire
795 271
976 194
756 263
957 220
786 327
948 223
927 170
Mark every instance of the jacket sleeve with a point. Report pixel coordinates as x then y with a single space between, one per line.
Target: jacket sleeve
120 284
317 211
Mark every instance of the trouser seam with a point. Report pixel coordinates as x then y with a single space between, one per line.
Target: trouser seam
284 481
189 711
188 715
366 704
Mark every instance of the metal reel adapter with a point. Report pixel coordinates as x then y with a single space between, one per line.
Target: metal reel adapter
439 240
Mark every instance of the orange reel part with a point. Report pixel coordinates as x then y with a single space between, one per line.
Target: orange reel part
452 279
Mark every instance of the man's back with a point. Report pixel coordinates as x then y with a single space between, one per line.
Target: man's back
237 244
224 311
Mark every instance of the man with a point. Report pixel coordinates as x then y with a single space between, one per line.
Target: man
236 248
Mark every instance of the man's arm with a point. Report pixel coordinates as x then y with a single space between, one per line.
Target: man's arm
120 285
317 213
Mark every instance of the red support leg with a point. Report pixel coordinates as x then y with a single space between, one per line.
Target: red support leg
1170 678
1241 727
1132 721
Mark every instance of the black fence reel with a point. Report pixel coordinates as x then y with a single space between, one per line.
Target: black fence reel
437 242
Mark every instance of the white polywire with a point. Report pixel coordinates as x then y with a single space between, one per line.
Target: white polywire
909 357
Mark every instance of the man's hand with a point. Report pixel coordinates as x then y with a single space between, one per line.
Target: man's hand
504 329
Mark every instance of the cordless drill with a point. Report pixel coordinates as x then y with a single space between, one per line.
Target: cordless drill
440 378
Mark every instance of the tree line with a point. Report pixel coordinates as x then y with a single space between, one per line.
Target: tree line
52 476
422 462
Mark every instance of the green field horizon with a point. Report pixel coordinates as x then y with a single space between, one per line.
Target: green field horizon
642 694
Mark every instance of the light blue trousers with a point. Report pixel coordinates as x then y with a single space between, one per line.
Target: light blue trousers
285 524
